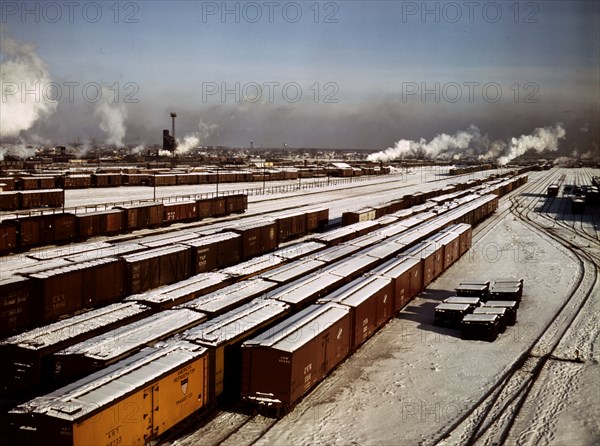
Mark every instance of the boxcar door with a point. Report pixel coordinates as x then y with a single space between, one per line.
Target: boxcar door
150 395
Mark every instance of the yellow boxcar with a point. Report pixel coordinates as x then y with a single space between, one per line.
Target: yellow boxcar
130 403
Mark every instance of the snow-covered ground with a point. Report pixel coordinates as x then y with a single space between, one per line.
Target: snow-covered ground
426 176
412 380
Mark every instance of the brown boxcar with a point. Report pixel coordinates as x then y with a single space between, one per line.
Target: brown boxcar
382 209
16 311
131 403
74 181
57 292
9 183
166 238
215 251
204 209
252 267
236 204
106 179
28 183
45 229
292 271
258 237
406 274
46 182
162 180
365 214
28 364
175 264
135 179
223 337
65 227
317 219
103 350
451 244
140 216
9 201
465 234
181 292
180 211
8 237
29 199
427 257
232 296
52 198
187 178
282 364
291 225
305 290
436 250
217 207
91 224
154 267
103 281
372 302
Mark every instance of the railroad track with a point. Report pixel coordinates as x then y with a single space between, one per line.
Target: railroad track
234 428
310 202
491 419
556 211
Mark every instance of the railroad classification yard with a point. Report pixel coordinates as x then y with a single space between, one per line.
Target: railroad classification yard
421 306
303 223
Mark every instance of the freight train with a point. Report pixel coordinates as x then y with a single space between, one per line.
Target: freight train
48 285
22 233
266 340
146 178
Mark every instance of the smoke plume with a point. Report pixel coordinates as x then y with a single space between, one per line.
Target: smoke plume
23 81
138 150
443 146
544 138
472 143
112 118
194 139
19 150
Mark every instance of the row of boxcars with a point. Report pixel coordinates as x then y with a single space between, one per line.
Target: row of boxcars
22 233
266 330
48 285
494 184
480 167
32 199
116 179
470 169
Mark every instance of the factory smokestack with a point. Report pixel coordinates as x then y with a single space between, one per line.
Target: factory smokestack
168 141
173 116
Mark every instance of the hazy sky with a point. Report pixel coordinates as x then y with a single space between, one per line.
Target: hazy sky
356 74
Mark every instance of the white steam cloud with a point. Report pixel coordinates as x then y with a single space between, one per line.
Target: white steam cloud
138 150
544 138
443 146
472 143
21 70
194 139
112 118
19 150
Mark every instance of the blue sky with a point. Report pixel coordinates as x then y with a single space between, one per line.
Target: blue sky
371 54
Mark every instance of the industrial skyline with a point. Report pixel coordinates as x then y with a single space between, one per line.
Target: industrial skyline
330 74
